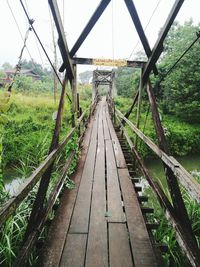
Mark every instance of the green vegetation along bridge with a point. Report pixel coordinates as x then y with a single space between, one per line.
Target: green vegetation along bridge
102 221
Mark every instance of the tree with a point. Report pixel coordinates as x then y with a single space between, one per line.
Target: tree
180 89
127 81
6 66
85 76
2 75
37 68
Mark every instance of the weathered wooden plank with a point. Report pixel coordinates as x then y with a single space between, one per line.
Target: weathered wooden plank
107 62
57 233
142 250
119 248
74 252
120 161
115 210
67 63
80 218
105 125
97 249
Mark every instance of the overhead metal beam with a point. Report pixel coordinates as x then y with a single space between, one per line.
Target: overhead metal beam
67 64
158 48
136 20
100 9
109 62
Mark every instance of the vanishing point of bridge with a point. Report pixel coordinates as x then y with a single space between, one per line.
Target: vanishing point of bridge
102 221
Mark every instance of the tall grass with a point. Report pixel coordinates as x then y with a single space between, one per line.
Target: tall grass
165 233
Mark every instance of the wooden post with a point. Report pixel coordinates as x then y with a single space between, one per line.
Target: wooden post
75 88
74 97
94 87
78 106
78 113
38 205
176 196
55 79
139 107
110 90
114 114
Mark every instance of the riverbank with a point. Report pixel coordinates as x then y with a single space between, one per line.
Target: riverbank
182 137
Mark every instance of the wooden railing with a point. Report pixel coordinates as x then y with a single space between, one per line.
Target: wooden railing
9 208
185 236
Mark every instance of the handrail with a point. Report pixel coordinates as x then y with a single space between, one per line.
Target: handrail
183 236
33 235
185 178
11 205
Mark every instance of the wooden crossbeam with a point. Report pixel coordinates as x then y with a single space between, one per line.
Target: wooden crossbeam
94 18
136 20
67 63
109 62
158 48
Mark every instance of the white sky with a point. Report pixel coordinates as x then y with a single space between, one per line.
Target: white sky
104 41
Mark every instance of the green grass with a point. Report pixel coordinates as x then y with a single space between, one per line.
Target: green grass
165 233
30 125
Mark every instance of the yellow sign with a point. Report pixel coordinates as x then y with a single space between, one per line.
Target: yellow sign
109 62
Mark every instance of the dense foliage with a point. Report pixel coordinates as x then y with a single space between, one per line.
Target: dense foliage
31 65
178 93
182 137
127 81
180 89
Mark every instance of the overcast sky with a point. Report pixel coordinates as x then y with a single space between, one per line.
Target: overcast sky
113 36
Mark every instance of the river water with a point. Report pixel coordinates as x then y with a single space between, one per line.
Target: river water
190 163
12 181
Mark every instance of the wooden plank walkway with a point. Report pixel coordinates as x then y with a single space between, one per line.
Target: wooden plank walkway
100 222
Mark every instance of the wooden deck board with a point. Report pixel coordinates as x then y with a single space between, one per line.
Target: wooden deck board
74 251
119 252
97 249
120 161
52 250
115 209
80 218
105 125
94 229
143 253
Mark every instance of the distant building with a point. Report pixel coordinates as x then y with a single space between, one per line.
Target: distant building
10 73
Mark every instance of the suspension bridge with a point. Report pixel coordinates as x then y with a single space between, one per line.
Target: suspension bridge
102 221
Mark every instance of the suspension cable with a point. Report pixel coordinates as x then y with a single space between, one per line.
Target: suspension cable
31 21
18 66
20 32
112 25
145 123
179 59
152 15
36 42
